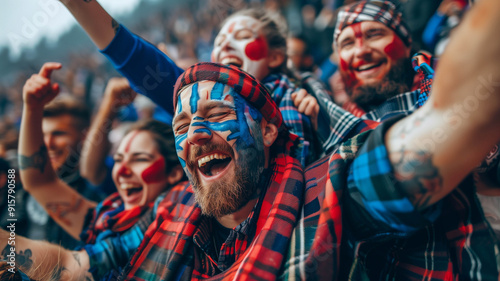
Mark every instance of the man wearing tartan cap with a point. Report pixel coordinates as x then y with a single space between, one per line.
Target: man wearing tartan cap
373 44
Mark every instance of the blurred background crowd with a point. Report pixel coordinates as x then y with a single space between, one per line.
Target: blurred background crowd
185 30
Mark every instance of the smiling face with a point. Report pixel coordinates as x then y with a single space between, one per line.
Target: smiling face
367 52
242 43
139 172
62 137
220 145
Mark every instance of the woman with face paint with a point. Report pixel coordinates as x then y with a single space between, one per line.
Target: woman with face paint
146 165
253 40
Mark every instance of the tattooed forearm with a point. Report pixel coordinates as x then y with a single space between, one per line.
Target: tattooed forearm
115 25
59 210
418 177
23 258
414 169
38 160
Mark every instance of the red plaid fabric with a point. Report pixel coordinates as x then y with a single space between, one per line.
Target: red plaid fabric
168 251
110 215
381 11
243 83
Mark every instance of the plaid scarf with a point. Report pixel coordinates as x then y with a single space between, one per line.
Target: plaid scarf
421 63
168 251
281 89
380 11
110 215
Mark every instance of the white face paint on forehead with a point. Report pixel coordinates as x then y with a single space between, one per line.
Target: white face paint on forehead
241 42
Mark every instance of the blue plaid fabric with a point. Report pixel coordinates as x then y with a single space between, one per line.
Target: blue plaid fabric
281 89
449 241
374 233
111 250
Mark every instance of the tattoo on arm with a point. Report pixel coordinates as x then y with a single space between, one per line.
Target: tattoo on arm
59 210
418 177
38 160
114 25
87 1
23 258
77 258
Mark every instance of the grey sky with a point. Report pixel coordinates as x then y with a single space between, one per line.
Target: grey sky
24 22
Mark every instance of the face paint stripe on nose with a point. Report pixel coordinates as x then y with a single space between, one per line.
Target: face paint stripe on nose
195 97
217 91
123 170
202 130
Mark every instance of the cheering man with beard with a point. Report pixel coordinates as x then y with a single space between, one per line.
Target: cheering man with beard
373 44
382 198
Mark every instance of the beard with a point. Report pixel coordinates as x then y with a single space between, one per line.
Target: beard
227 195
397 81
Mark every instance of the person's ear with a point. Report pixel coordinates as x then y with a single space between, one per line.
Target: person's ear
175 175
276 58
269 133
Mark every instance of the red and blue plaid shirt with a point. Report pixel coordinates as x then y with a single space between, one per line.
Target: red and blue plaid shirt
355 225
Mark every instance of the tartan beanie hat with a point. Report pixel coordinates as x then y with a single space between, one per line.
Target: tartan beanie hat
241 82
384 12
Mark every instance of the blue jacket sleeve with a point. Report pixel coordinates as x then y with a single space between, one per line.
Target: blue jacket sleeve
149 71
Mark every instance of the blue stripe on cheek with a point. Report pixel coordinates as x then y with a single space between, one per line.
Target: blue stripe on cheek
195 97
178 140
217 91
244 130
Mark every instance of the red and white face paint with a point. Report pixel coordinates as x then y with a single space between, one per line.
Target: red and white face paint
139 170
367 52
241 42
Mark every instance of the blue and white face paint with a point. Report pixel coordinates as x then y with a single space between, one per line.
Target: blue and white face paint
219 143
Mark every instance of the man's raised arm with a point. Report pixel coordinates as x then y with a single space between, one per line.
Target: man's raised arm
149 71
435 148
